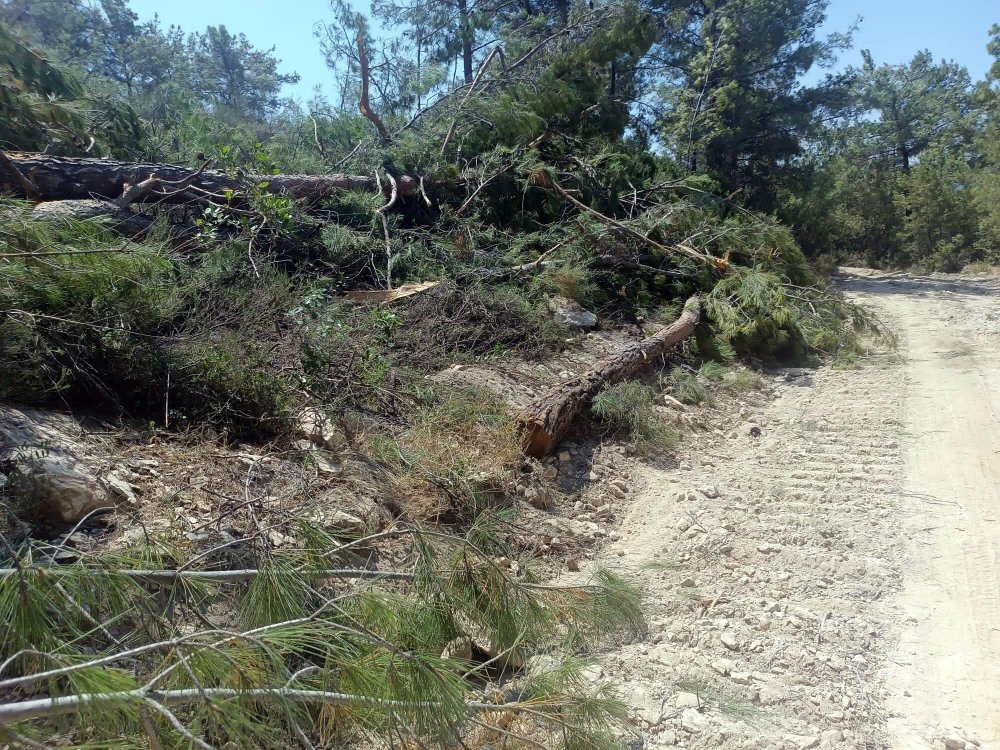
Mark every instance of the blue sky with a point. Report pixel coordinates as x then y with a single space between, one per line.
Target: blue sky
892 29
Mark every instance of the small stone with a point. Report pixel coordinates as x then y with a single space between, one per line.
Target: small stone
692 721
565 457
710 492
803 742
120 489
730 641
768 548
954 742
723 666
550 473
687 583
569 312
573 565
686 700
831 737
616 491
741 678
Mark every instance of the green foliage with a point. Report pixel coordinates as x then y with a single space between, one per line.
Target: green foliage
138 655
628 408
41 103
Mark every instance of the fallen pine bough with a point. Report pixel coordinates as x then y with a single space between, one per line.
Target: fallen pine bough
549 418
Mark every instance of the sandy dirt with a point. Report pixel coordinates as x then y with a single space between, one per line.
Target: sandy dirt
832 581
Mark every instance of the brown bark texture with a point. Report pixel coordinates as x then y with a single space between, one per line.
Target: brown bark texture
548 419
65 178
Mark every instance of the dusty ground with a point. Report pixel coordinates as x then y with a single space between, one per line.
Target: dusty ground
834 581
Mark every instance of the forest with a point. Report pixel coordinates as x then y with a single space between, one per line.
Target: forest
191 255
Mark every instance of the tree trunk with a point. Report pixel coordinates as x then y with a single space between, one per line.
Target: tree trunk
63 178
126 222
465 29
548 419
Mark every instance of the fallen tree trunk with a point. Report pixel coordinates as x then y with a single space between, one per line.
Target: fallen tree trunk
63 178
548 419
125 221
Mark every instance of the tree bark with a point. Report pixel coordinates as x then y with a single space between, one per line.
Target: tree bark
64 178
125 221
548 419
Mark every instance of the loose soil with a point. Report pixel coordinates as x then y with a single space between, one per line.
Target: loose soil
830 578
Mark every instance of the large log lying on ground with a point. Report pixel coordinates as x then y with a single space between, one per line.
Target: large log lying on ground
548 419
64 178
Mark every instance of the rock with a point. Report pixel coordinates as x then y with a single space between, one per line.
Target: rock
55 474
461 648
693 721
686 700
710 492
723 666
730 641
573 565
741 678
344 521
326 464
536 499
616 492
768 548
831 737
687 583
803 742
320 428
570 313
121 489
954 742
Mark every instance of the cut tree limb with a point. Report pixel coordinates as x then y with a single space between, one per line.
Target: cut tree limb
548 419
62 178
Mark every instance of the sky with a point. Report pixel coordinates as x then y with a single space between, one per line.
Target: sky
892 29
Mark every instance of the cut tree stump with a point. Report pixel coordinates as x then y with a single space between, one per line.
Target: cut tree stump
547 420
57 178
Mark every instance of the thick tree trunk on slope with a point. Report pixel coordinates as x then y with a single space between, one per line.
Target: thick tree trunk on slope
64 178
548 419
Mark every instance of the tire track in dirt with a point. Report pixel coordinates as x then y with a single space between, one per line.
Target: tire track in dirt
768 562
834 582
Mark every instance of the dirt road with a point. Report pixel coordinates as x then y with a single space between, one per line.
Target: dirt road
833 581
945 669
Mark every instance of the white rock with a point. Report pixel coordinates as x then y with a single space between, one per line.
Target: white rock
693 721
121 489
710 492
730 641
804 742
320 428
723 666
686 700
570 312
831 737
